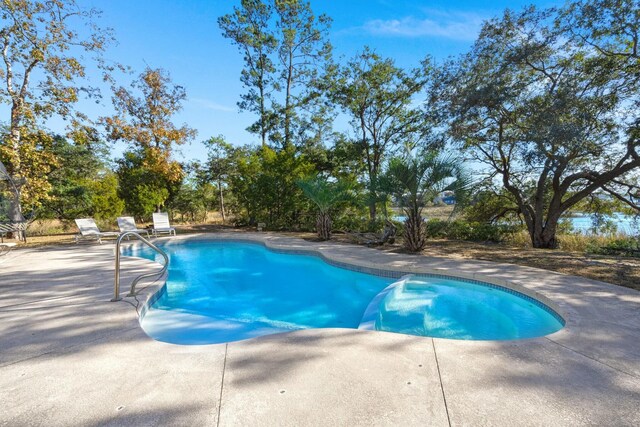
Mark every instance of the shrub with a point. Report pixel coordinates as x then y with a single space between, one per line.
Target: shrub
464 230
626 246
437 229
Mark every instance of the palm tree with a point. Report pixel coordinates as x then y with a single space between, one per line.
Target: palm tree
324 194
416 180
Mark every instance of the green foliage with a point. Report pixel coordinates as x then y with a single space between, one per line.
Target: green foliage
546 111
188 202
71 180
143 199
377 96
416 180
355 220
325 195
249 28
148 176
488 206
25 168
629 246
218 169
464 230
265 189
207 194
546 99
287 58
45 46
143 189
106 205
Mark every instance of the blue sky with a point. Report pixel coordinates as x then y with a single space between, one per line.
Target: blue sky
183 38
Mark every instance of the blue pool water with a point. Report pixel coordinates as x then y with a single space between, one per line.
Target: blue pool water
221 291
445 308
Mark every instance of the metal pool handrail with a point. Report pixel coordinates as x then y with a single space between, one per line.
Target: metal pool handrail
132 292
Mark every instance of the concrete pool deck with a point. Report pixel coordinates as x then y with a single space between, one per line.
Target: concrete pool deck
70 357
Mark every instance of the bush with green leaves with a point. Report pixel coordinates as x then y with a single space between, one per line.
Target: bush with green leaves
105 202
81 184
325 195
143 189
187 203
629 246
415 180
264 187
464 230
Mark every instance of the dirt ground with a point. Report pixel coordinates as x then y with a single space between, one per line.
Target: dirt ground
621 271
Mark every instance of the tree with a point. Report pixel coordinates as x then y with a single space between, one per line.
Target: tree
106 204
248 27
417 180
219 165
302 49
490 205
80 169
247 167
145 123
199 180
286 55
263 184
612 28
377 95
36 159
187 201
325 195
144 189
43 51
542 111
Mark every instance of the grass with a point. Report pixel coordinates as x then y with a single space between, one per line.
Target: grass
573 242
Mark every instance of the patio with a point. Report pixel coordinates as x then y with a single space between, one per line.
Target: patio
69 356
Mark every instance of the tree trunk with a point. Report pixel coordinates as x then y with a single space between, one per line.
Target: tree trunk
287 102
221 201
16 118
544 242
14 212
263 113
323 226
543 236
15 182
414 232
372 211
15 215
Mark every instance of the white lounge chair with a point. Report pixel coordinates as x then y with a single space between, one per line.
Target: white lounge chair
90 231
161 224
127 223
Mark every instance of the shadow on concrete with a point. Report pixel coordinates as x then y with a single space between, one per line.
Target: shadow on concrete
53 308
275 357
529 376
59 298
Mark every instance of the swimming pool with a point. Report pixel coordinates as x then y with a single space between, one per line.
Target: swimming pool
223 291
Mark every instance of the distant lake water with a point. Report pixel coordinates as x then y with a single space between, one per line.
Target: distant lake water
624 223
584 224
